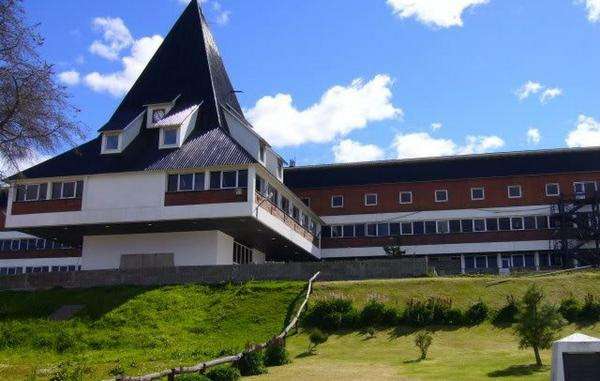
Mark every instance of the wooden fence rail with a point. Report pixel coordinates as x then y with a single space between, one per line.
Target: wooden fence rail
201 367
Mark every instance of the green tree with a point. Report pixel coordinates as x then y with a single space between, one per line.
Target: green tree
423 341
537 324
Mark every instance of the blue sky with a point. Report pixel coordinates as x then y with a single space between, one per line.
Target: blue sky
437 77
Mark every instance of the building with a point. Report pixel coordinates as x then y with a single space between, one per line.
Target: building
488 211
178 177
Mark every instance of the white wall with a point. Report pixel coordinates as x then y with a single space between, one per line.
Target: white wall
189 248
128 190
243 135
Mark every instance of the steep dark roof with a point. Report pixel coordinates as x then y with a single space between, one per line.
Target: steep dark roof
186 67
445 168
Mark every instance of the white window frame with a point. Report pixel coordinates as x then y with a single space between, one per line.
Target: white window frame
482 194
400 197
367 230
522 223
557 189
371 194
484 225
341 235
163 130
584 183
37 193
514 186
435 195
280 168
105 136
62 187
443 222
337 206
236 179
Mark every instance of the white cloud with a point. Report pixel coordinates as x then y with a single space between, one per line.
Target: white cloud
119 82
585 134
438 13
222 16
436 126
115 37
528 89
340 110
550 94
69 77
533 136
421 144
348 151
593 9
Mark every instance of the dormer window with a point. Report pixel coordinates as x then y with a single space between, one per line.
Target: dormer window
158 114
169 137
111 142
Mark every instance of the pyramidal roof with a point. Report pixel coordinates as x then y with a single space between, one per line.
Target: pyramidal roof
188 67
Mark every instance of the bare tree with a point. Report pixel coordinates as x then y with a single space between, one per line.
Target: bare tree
36 115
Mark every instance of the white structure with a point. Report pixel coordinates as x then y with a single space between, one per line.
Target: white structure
576 358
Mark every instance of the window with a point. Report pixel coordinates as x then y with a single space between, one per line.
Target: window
454 226
261 185
305 201
469 262
430 227
466 225
185 182
241 254
552 189
285 205
336 231
157 115
529 222
229 179
262 153
111 142
477 193
337 201
491 224
514 191
584 187
418 228
215 180
279 168
295 213
516 223
394 229
169 136
370 199
405 197
481 262
406 228
479 225
442 227
31 192
542 222
504 223
371 230
348 230
441 195
273 194
243 178
67 189
359 230
383 230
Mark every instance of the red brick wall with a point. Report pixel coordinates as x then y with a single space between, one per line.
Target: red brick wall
459 194
46 206
51 253
436 239
205 197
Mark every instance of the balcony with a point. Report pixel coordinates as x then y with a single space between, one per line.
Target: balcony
275 211
219 196
46 206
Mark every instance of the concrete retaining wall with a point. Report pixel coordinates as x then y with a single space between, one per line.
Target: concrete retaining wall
338 270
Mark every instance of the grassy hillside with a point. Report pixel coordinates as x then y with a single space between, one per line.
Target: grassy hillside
147 328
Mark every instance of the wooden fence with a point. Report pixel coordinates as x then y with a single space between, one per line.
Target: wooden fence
201 367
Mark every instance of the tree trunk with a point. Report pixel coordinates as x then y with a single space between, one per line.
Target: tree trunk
538 359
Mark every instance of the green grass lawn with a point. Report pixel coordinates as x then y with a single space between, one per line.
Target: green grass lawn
147 329
483 352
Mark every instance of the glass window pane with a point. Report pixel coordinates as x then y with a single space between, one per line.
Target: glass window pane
406 197
529 260
394 229
504 223
407 228
480 262
79 191
20 194
542 222
56 191
215 180
371 199
479 225
454 226
466 225
348 230
491 224
68 190
170 137
477 193
171 184
418 228
31 192
326 231
199 181
430 227
383 230
337 201
359 230
111 142
469 262
243 178
518 261
441 195
43 191
336 231
371 230
529 222
517 223
186 182
229 179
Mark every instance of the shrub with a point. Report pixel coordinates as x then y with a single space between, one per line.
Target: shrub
276 354
116 370
590 311
423 341
570 309
316 338
416 313
432 311
370 332
224 373
331 315
508 313
373 313
69 371
192 377
455 316
477 313
64 340
252 364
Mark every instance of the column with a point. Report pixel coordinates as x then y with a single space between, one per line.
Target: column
536 260
462 263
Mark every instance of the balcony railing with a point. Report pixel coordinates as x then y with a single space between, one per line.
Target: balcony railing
46 206
275 211
206 197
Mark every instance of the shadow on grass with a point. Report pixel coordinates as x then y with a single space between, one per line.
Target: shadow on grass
306 354
404 330
415 361
518 370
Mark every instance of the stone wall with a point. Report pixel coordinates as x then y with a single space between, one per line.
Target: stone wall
337 270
